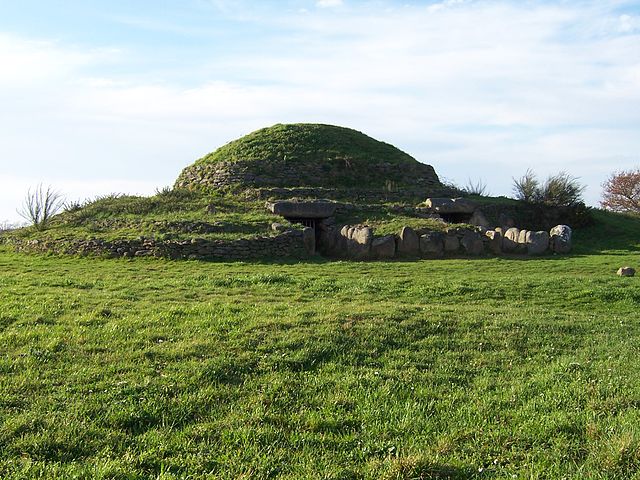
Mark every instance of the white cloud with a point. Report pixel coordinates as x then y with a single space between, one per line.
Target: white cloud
628 23
29 62
329 3
483 90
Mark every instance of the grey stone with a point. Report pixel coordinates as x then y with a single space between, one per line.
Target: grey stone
494 240
479 220
295 209
472 243
626 271
451 205
560 239
309 240
537 242
356 241
521 246
451 243
510 241
432 244
408 242
384 247
278 227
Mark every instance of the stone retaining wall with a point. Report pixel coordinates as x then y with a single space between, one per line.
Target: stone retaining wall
287 244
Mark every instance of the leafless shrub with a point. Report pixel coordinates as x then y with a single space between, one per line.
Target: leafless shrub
40 205
479 187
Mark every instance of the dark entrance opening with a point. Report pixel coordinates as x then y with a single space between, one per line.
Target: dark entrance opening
308 222
456 217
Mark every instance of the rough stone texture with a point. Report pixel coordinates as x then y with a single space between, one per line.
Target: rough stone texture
521 247
408 242
472 243
310 156
383 247
328 240
561 239
279 227
357 241
537 242
494 241
432 244
287 244
510 241
626 271
451 243
309 240
478 219
297 209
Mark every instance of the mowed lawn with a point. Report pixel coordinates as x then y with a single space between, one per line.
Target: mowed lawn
480 368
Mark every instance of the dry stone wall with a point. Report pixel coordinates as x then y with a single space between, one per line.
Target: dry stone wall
288 244
275 179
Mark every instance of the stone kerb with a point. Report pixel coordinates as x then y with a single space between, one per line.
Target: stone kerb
351 241
292 243
358 242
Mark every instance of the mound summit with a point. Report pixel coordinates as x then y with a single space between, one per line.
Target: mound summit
309 155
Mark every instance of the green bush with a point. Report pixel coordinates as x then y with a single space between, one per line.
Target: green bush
559 190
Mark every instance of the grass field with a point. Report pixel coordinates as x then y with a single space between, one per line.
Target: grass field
485 368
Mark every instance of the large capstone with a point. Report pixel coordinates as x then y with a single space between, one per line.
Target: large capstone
299 209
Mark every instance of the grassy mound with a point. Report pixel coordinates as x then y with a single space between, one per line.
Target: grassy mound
300 142
308 155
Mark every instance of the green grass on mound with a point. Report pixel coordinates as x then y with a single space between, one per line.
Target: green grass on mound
484 368
307 142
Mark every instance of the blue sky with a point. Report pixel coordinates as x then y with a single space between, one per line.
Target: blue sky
119 96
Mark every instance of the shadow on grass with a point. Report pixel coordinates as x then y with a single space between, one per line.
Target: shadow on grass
424 470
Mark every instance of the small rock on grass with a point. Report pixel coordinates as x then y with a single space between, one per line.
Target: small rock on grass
626 271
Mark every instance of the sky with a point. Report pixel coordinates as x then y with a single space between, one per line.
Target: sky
100 97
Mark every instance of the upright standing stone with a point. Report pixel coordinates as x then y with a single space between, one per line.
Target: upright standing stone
408 242
432 244
510 241
451 243
560 239
472 243
383 247
521 246
495 240
537 242
357 240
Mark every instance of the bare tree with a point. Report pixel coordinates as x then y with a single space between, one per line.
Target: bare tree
40 205
622 192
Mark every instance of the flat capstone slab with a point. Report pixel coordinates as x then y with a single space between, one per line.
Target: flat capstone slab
294 209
